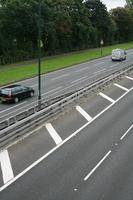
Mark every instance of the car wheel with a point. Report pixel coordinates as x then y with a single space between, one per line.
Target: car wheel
31 94
16 100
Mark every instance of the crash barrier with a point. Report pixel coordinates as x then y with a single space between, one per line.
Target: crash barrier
25 121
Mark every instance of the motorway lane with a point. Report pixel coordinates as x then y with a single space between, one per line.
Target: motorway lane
62 173
65 80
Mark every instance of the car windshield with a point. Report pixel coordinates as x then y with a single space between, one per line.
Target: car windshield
117 53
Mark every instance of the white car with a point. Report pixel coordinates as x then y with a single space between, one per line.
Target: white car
118 54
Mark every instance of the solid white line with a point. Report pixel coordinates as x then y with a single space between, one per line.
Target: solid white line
84 113
126 132
57 139
94 169
59 77
79 79
106 97
129 78
123 88
98 72
61 144
6 168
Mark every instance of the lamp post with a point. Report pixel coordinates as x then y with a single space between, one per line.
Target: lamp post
101 44
39 54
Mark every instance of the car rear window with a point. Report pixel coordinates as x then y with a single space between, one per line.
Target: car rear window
5 91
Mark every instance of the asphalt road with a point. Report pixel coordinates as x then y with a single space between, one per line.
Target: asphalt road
83 154
64 81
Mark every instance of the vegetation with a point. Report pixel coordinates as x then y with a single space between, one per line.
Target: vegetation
12 73
67 25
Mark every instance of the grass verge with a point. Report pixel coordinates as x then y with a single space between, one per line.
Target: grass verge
20 71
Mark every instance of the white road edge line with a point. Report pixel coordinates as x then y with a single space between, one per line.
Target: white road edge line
120 86
129 77
61 144
126 132
94 169
84 113
106 97
6 167
57 139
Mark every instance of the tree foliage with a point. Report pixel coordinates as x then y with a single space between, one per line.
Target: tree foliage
66 25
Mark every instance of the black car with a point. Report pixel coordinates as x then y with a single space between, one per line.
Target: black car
14 93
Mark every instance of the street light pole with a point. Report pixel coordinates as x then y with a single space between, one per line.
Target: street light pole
101 44
39 54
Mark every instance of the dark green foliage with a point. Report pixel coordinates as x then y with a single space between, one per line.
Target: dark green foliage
66 25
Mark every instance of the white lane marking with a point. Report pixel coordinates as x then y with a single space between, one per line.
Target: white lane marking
52 90
120 86
53 133
129 77
82 69
6 167
84 113
13 107
126 132
61 144
59 77
94 169
35 85
106 97
79 79
97 64
98 72
130 53
114 65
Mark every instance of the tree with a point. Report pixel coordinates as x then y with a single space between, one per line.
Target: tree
123 18
100 19
129 3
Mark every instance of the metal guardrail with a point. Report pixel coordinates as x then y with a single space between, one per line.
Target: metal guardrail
25 121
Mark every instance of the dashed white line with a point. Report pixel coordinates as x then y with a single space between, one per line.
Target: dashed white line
84 113
129 77
59 77
79 79
52 90
6 167
106 97
94 169
120 86
13 107
82 69
126 132
53 133
97 64
61 144
114 65
98 72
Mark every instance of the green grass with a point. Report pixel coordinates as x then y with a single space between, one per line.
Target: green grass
20 71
